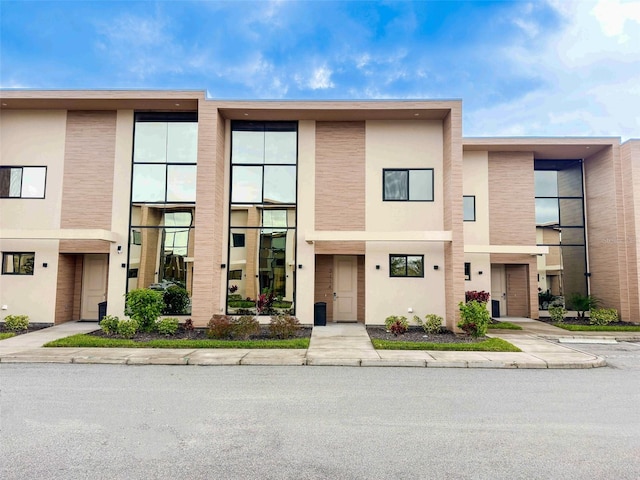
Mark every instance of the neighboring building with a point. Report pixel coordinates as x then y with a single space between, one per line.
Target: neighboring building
374 207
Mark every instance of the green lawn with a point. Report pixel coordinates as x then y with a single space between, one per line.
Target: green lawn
505 326
599 328
89 341
4 335
489 345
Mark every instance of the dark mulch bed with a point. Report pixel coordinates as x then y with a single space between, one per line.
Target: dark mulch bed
416 334
31 328
585 321
198 334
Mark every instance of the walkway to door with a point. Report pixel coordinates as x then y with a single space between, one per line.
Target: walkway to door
347 342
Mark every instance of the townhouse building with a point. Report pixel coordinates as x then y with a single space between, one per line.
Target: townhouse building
375 208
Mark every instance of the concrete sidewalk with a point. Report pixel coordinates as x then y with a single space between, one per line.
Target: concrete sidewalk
334 344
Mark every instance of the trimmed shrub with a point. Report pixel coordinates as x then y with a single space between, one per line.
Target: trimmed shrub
283 326
245 326
235 297
582 303
127 328
603 316
15 323
144 306
188 325
176 300
432 323
475 318
557 314
479 296
109 324
399 322
241 304
167 326
220 327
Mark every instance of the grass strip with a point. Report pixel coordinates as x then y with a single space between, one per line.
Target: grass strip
488 345
505 326
6 335
598 328
89 341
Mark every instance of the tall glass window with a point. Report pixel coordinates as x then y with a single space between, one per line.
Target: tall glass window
560 226
261 266
163 194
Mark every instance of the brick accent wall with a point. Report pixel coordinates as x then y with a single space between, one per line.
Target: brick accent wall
324 283
340 248
340 176
210 208
87 187
65 287
361 290
605 235
452 200
630 160
511 199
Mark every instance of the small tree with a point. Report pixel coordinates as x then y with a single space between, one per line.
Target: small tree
582 303
144 306
475 318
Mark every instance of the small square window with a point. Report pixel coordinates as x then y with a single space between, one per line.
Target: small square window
235 274
18 263
406 265
412 185
238 239
469 208
467 271
22 182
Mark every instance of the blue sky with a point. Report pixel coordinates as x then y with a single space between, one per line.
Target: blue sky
556 67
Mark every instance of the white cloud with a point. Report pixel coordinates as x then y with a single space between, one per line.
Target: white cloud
319 79
590 71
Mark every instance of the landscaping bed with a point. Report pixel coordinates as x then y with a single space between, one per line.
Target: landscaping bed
583 324
184 338
416 339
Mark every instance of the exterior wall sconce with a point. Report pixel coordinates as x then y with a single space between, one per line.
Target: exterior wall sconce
45 265
587 274
119 249
223 265
480 272
377 267
123 265
300 266
435 267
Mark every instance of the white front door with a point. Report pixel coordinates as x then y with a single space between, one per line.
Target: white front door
345 295
499 287
94 284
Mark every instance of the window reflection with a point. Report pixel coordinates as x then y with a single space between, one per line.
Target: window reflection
161 248
560 226
279 184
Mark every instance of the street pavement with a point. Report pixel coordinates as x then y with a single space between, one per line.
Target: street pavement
543 346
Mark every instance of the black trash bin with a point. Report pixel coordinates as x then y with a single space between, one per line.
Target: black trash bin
320 314
102 310
495 308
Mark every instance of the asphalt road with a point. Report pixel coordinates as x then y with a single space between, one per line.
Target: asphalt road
126 422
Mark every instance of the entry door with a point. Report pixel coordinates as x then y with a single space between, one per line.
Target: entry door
517 290
94 284
499 287
345 295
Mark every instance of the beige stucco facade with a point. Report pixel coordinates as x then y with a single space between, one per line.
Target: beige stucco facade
345 231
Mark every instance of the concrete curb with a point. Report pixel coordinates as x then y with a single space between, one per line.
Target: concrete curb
217 357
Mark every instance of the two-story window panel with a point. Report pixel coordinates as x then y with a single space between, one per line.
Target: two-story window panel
22 182
407 185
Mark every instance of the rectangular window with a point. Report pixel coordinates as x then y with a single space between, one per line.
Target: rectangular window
407 185
235 275
22 182
238 240
469 208
467 271
406 265
18 263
